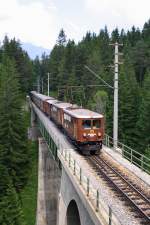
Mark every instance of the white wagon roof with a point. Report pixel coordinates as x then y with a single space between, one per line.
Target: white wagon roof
44 97
62 105
52 101
83 113
41 96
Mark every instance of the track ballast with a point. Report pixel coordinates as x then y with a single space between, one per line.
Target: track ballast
119 183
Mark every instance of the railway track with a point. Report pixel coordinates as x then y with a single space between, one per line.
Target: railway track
122 185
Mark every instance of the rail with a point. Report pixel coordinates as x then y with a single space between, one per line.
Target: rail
121 184
130 154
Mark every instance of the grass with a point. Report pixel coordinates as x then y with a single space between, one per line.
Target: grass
29 194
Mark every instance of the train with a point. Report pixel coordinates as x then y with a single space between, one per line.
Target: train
83 127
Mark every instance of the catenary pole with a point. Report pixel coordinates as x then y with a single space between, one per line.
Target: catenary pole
115 123
38 84
115 115
42 86
115 87
48 85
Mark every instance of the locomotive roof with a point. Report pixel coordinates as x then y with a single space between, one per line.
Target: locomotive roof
62 105
83 113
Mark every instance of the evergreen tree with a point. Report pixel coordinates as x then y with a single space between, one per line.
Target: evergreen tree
141 55
12 133
10 210
115 35
61 38
128 104
12 48
143 123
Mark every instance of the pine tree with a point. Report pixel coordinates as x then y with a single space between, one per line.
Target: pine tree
128 104
141 55
12 48
12 133
10 210
143 123
61 38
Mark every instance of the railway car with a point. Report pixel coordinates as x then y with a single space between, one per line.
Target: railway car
48 104
35 98
44 99
40 100
57 111
85 128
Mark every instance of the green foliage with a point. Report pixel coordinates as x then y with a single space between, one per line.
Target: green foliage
29 194
128 104
141 55
23 64
99 102
12 131
61 38
143 122
10 209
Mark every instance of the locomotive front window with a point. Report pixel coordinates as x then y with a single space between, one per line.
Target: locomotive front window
86 124
96 124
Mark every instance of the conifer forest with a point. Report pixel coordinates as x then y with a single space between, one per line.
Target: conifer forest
70 81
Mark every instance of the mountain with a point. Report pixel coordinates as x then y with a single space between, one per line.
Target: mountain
34 50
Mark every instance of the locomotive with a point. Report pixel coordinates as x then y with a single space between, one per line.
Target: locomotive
84 128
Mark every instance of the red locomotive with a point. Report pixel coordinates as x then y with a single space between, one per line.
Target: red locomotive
85 128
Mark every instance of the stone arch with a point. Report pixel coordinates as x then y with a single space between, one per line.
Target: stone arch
73 216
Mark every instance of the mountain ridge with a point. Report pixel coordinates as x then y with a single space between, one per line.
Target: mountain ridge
34 50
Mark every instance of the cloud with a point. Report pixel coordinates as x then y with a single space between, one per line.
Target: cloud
34 22
96 6
118 13
39 21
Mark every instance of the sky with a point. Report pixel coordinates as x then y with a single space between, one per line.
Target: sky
39 21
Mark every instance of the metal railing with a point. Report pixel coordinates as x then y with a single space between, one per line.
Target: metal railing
130 154
93 194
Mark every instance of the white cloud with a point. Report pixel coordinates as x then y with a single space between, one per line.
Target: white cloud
39 21
119 13
32 22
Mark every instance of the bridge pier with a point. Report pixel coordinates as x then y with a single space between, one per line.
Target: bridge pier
33 131
71 209
33 118
48 186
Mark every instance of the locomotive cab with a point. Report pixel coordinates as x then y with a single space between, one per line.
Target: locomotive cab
92 128
86 128
92 134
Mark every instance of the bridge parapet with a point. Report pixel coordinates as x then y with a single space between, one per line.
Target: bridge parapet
130 154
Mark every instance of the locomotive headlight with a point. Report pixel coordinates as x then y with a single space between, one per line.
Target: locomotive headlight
99 134
84 134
